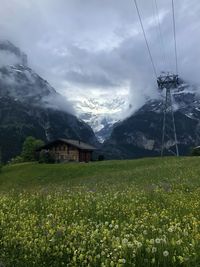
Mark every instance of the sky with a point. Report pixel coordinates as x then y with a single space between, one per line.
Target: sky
95 48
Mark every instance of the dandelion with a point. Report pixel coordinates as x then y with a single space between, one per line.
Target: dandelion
165 253
139 244
145 232
124 241
179 242
122 261
157 240
154 250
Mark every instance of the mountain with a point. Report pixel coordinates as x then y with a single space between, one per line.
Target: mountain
101 113
140 134
30 106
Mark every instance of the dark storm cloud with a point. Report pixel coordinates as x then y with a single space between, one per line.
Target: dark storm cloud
98 44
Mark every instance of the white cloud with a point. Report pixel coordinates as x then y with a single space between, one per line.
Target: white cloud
98 45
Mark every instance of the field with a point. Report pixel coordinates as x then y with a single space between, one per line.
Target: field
115 213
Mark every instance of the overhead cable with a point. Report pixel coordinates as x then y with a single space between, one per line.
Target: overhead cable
174 29
148 48
161 35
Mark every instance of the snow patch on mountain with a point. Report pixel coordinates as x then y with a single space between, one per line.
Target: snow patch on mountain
101 113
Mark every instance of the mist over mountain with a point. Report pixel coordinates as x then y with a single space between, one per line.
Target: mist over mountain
30 106
140 134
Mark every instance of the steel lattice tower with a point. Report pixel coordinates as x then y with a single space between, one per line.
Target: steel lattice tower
168 82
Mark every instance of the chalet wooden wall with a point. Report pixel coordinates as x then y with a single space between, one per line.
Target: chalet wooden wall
65 152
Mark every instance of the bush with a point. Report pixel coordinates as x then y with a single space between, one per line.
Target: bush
1 165
195 151
45 157
101 158
30 147
16 160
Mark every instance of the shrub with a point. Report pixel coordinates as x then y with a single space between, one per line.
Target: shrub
195 151
16 160
30 147
45 157
101 157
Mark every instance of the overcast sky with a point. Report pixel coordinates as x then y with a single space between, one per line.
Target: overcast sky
93 47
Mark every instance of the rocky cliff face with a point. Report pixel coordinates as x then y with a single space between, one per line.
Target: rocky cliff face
140 134
30 106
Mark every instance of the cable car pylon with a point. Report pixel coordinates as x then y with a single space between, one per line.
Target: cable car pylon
169 144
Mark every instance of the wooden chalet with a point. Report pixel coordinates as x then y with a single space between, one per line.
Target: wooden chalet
64 150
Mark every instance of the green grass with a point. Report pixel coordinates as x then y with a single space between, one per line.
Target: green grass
103 214
142 172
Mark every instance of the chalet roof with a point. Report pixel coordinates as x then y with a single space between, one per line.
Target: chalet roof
79 144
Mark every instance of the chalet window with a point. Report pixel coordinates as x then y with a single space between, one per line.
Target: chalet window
72 148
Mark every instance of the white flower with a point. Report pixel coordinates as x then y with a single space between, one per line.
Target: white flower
170 229
116 226
124 241
130 245
165 253
139 244
122 261
157 240
178 242
154 249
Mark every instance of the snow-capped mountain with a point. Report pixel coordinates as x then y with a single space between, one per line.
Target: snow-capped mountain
29 105
140 134
101 114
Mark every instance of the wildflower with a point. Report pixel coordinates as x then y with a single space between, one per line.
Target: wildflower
157 240
154 249
145 232
122 261
165 253
178 242
151 241
124 241
139 244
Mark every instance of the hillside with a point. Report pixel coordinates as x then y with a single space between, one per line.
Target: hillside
113 213
140 172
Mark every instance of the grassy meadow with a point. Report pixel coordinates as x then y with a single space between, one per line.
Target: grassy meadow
113 213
